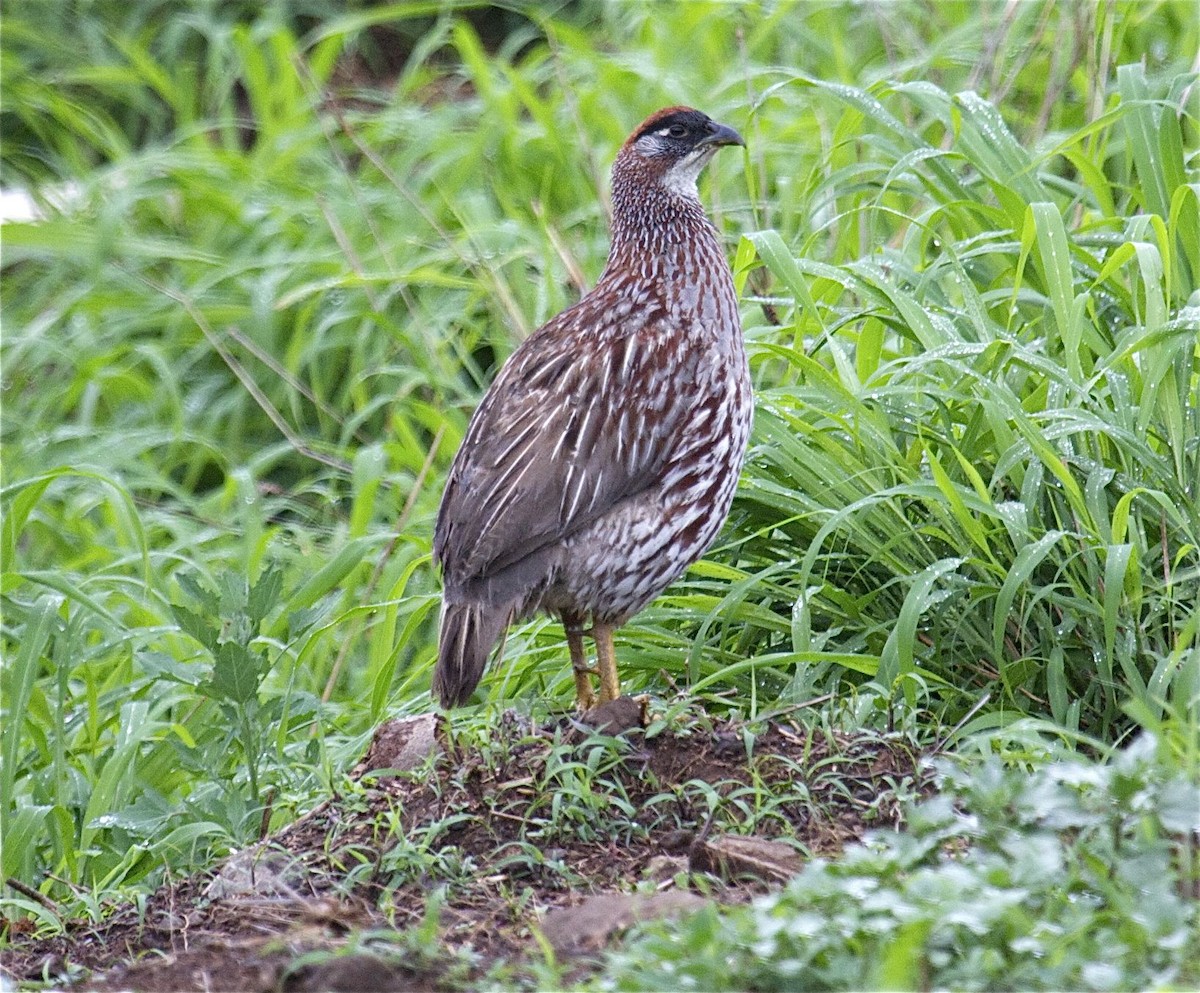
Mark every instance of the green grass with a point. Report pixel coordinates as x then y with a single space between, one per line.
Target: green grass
996 416
967 239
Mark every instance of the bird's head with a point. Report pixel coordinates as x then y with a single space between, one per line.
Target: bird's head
670 148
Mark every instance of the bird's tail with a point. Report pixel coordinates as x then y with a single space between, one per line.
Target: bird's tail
468 633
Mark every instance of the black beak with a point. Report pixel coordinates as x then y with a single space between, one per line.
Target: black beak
720 134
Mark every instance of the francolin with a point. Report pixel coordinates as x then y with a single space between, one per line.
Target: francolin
602 461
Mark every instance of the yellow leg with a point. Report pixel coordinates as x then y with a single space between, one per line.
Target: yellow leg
585 699
606 662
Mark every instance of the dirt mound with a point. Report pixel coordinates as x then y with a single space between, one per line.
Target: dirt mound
449 856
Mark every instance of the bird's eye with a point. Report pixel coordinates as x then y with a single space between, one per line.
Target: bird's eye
677 131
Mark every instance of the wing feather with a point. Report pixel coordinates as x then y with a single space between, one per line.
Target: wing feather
548 451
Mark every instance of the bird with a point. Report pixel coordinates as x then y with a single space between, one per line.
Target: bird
602 460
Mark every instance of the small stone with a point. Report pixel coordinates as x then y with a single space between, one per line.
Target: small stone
257 871
617 716
731 856
353 974
402 744
665 867
589 926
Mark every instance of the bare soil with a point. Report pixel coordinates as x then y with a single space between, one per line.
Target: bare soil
517 858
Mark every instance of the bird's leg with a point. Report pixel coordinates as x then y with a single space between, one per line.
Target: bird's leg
585 699
606 661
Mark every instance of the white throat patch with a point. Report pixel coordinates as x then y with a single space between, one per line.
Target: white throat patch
681 177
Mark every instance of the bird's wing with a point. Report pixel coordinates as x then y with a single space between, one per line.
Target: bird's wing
576 421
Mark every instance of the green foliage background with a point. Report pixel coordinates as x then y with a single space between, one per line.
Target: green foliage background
287 245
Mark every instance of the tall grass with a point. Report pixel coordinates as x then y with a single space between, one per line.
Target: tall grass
967 243
985 429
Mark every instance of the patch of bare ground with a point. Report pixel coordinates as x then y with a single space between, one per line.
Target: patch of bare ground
537 836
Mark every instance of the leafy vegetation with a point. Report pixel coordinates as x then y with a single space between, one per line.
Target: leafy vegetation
286 247
1066 878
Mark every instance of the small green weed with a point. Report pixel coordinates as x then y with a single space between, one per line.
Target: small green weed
227 625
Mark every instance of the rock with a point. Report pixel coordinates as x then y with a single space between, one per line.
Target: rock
731 856
662 868
590 925
353 974
257 871
617 716
402 744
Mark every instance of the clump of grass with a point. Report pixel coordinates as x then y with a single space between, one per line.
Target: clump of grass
980 457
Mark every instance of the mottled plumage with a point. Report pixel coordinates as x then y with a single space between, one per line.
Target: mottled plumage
603 459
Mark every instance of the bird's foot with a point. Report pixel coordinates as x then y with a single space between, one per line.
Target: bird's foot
585 696
605 668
